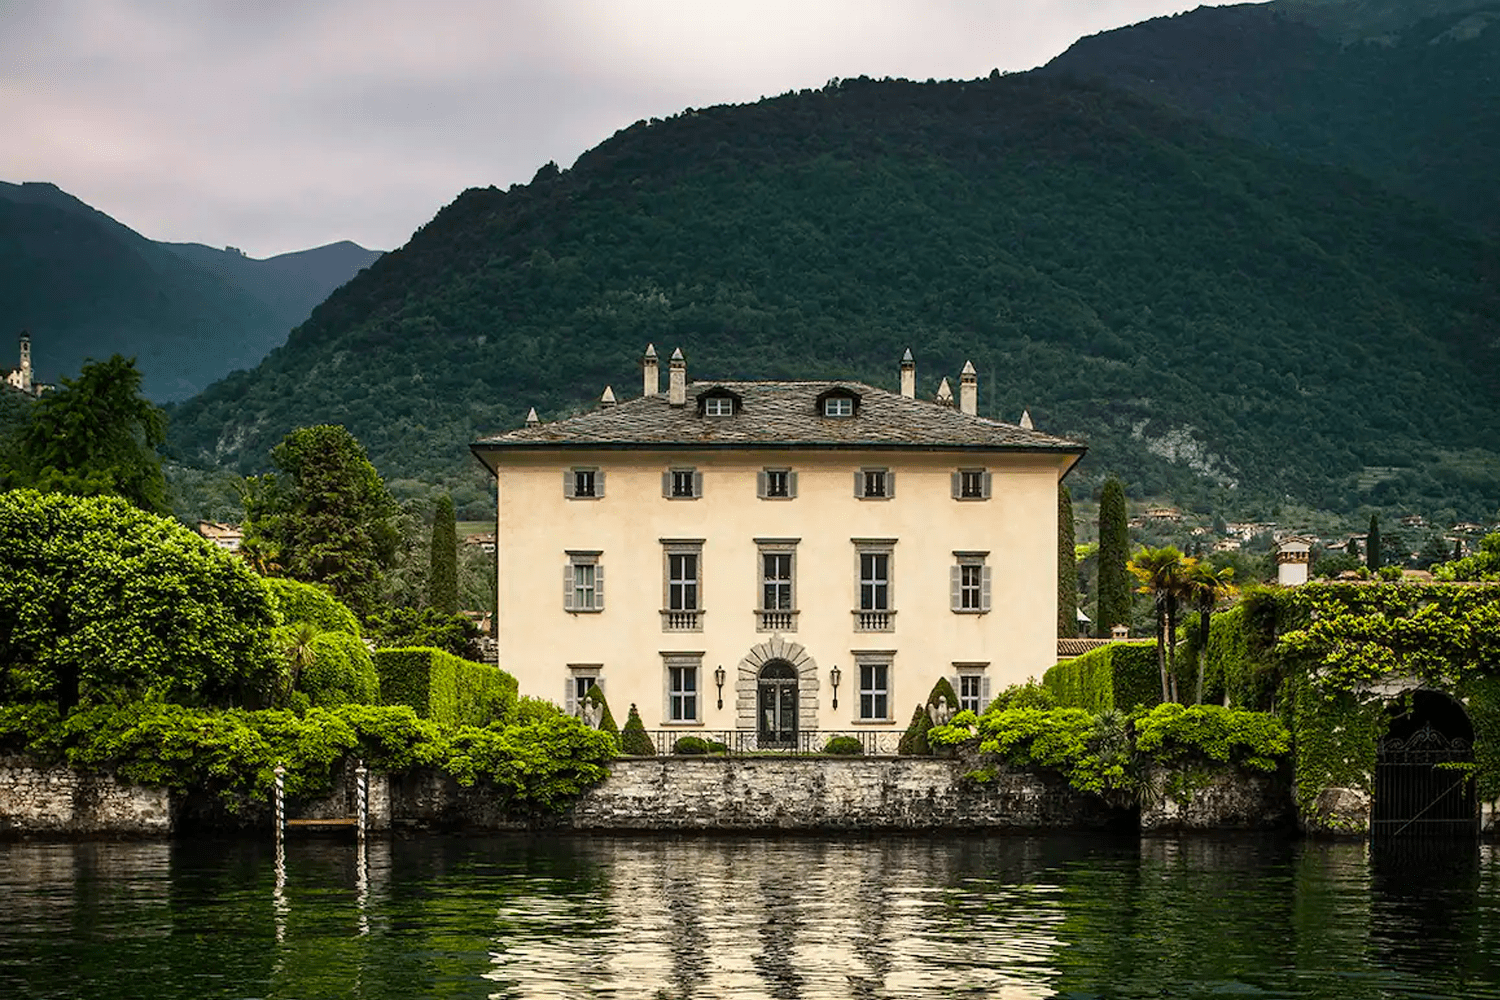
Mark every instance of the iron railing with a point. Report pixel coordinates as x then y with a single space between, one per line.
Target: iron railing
741 742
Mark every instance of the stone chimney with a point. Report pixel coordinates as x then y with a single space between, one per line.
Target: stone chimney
25 366
677 379
608 399
531 418
1119 633
908 375
1293 562
650 373
1026 420
944 394
968 390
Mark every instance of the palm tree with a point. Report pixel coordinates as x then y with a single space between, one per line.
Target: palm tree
1207 586
298 654
1162 573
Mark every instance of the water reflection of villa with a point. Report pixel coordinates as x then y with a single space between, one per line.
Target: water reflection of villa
783 557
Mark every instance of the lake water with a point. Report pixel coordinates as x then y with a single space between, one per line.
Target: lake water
650 917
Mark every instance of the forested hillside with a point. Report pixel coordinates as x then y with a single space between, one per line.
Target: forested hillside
1405 91
86 286
1218 321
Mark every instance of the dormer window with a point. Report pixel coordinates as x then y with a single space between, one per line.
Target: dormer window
838 406
718 406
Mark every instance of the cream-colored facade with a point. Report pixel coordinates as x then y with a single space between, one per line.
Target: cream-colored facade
960 586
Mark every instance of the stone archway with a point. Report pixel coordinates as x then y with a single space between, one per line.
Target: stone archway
1414 794
747 683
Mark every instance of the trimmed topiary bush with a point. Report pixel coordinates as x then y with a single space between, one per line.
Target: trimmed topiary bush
307 602
341 672
843 746
943 689
914 740
444 688
634 740
692 745
1119 675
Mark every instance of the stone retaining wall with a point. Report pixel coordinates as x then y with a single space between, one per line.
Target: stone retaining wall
1181 799
60 801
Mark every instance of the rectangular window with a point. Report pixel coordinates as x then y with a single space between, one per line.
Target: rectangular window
718 406
874 691
971 484
971 693
838 406
776 581
583 582
776 484
970 583
874 484
682 609
682 484
876 609
583 483
684 676
581 677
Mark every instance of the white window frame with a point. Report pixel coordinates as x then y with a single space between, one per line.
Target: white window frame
766 478
969 583
573 694
880 477
682 686
776 619
976 676
874 596
583 582
595 480
970 485
718 406
838 407
874 673
682 607
679 475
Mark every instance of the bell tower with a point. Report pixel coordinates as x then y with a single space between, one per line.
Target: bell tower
25 367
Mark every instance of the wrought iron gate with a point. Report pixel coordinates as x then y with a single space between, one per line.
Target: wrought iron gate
1414 795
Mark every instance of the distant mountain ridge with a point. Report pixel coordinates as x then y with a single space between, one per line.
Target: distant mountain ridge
86 285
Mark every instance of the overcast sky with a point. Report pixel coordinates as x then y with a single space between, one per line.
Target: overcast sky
277 125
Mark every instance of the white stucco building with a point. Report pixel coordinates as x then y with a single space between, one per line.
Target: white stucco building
776 557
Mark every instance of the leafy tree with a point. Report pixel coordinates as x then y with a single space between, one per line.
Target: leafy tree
1482 565
1434 551
1114 553
1067 567
1205 587
1372 543
398 628
100 600
1163 574
97 436
326 515
442 580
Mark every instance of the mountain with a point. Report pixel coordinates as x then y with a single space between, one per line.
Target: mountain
1222 322
1406 92
85 285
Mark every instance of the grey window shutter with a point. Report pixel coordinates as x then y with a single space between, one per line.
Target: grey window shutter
986 485
791 484
568 587
890 483
598 587
599 683
955 587
570 696
859 483
984 693
599 483
760 484
697 484
570 483
958 485
984 591
666 483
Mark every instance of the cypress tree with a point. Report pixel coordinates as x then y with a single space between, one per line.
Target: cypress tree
442 581
1353 550
1067 568
634 740
1372 544
1114 553
1458 549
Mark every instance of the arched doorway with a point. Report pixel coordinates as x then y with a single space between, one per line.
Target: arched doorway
776 706
1414 793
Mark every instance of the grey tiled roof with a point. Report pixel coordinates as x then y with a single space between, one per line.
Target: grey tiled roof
780 415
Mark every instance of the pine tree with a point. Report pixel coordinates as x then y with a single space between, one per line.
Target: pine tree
442 580
1372 544
1114 553
1067 567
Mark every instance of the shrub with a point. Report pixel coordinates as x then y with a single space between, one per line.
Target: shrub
943 689
691 745
1028 695
529 711
444 688
1119 675
100 600
307 602
1092 752
634 740
844 746
1176 733
914 740
341 672
401 628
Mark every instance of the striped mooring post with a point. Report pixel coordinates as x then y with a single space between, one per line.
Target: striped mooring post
278 796
361 800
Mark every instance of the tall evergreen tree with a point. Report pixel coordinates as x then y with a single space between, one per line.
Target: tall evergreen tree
1114 553
442 580
1372 544
1067 567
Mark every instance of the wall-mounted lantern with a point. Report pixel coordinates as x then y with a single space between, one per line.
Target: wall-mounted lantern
719 680
833 679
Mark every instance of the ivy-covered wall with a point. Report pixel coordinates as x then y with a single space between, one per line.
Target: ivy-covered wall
1118 676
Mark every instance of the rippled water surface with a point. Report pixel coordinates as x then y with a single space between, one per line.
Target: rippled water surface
719 917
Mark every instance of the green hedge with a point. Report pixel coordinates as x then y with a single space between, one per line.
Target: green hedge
341 673
1117 676
305 602
444 688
